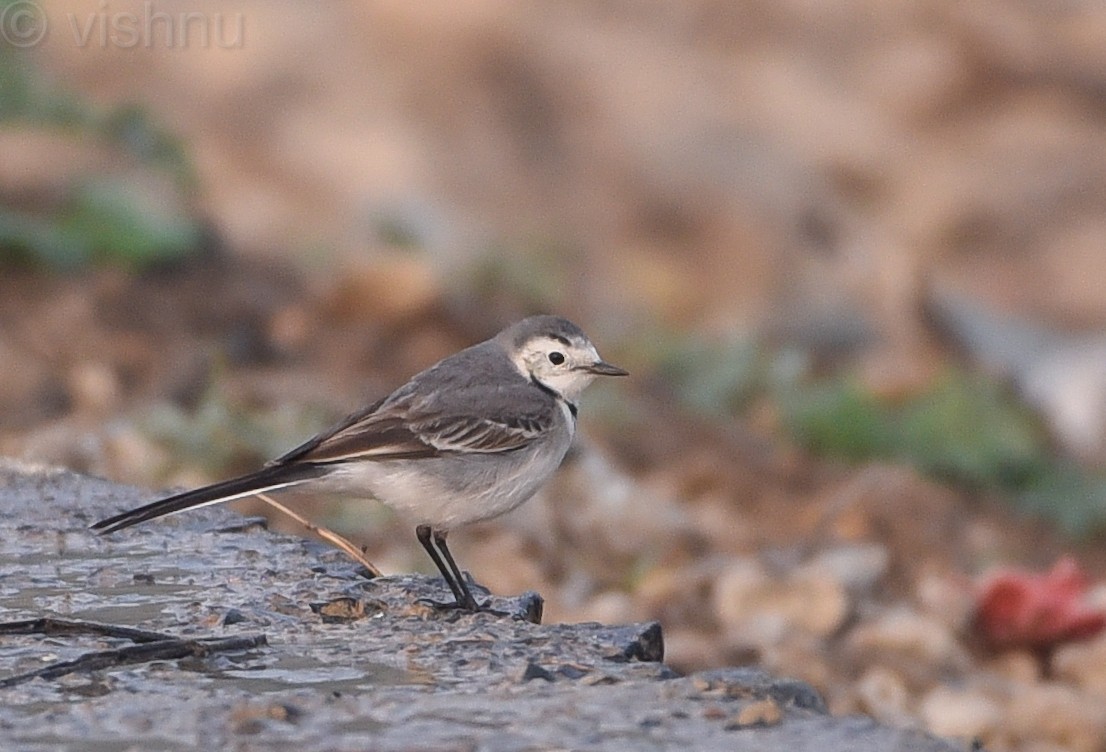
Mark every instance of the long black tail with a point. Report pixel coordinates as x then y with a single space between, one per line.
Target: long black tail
265 479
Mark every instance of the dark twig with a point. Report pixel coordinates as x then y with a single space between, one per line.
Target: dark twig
152 646
52 627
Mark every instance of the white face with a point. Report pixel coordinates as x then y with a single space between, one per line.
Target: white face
558 366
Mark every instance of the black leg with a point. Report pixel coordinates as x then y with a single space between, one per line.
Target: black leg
468 602
456 584
434 541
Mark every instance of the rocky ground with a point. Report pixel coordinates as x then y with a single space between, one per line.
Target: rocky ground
314 656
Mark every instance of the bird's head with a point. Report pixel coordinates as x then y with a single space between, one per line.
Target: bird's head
556 353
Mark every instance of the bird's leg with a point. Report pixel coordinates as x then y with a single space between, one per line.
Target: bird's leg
428 537
434 541
468 602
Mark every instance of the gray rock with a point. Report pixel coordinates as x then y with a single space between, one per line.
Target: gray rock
350 663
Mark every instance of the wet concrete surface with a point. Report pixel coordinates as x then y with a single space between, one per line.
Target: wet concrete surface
348 663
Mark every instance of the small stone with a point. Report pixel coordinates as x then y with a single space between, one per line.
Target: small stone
883 695
93 387
714 713
233 616
283 711
691 649
1057 714
1083 664
534 671
857 567
755 714
387 288
570 671
966 713
340 609
916 643
946 597
761 608
699 684
612 607
291 328
611 516
251 719
597 678
1019 666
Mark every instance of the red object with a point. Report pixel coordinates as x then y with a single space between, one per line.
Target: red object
1015 608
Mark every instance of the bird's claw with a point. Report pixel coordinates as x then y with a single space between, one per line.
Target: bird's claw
530 607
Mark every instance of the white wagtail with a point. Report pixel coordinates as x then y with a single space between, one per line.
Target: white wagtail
468 439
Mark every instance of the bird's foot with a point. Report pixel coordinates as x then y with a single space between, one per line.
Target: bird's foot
528 607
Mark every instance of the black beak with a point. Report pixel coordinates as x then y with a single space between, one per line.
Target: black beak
602 368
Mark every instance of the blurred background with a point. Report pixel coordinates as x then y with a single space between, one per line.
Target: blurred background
853 253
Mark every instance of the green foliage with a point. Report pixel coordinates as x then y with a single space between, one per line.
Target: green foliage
100 219
1069 495
964 428
104 221
839 420
969 430
133 129
24 96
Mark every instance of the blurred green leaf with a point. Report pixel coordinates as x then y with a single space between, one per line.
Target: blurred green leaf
134 129
839 420
1069 495
122 226
105 221
964 428
968 429
24 236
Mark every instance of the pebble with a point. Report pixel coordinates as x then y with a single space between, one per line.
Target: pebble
93 387
857 567
761 608
1084 665
756 714
387 288
967 712
1018 666
883 694
1056 713
612 515
946 597
912 641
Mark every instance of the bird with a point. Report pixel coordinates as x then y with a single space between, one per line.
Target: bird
466 440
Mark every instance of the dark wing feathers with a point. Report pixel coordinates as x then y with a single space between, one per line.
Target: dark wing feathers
455 412
345 424
401 431
468 434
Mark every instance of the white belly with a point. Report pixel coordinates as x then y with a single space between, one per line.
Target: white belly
454 490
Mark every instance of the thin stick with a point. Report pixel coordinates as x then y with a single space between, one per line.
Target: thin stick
162 650
350 550
51 626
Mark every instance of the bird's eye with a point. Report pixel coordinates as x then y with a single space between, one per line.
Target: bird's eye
556 358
